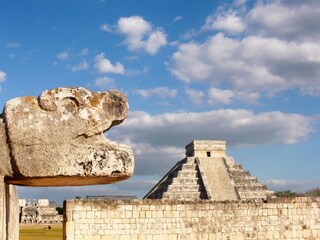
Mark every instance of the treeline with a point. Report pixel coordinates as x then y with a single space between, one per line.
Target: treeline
310 193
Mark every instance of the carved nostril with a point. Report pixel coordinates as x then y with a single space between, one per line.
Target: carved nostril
69 105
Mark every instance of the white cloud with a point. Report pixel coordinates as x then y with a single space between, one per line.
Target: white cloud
140 34
286 19
253 64
63 55
3 76
277 49
239 3
163 92
293 185
80 67
195 95
220 96
156 40
106 28
162 137
104 83
227 22
103 65
13 45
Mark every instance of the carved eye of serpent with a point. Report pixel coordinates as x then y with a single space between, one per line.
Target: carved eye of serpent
69 105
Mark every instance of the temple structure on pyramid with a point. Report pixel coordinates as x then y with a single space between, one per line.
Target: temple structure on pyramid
207 173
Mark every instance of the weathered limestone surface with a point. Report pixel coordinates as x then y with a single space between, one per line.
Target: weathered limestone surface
207 173
57 139
292 219
219 183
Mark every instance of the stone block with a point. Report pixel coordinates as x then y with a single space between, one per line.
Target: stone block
57 139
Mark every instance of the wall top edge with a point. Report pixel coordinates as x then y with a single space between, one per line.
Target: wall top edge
175 202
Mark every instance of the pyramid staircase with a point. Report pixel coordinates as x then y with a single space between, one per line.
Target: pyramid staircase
182 182
247 186
213 177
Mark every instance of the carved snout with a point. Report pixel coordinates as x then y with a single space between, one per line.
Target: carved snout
44 138
101 110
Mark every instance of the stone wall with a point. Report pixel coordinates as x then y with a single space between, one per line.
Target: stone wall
295 218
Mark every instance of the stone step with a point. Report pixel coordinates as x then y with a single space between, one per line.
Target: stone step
247 180
234 166
187 174
188 166
244 177
187 196
190 160
183 188
251 188
239 173
183 180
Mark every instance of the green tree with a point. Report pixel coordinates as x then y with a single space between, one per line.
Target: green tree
287 193
60 210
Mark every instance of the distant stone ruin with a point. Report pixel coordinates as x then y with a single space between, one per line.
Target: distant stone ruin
57 140
39 211
207 173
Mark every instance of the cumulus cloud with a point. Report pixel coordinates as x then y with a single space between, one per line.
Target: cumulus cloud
141 35
104 65
162 137
163 92
196 96
104 83
227 22
252 64
80 67
3 76
220 96
63 55
277 49
285 19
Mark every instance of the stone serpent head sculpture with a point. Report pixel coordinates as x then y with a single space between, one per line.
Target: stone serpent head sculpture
57 139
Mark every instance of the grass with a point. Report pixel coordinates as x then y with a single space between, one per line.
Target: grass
37 232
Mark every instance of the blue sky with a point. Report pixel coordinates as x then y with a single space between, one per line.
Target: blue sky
247 72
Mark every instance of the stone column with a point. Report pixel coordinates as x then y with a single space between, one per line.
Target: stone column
2 209
12 212
9 211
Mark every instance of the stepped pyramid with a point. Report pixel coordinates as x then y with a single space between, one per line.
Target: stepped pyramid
207 173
